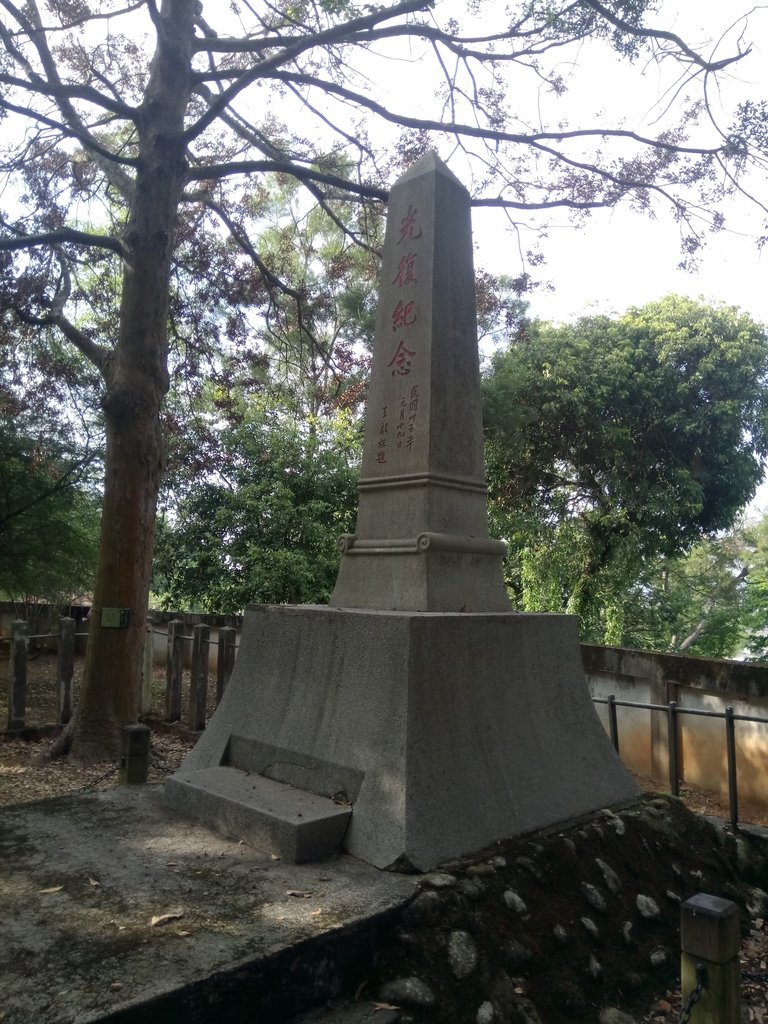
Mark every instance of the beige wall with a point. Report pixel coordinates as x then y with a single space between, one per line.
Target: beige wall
697 683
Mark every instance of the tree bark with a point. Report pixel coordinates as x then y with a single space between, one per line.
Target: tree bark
136 384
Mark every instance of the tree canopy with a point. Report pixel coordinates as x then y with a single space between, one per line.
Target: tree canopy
49 519
612 442
135 137
265 528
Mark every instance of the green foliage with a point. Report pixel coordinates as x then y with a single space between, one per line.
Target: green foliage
755 615
692 604
614 442
49 520
266 529
317 328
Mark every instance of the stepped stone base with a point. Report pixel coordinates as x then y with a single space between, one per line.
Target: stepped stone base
294 825
446 732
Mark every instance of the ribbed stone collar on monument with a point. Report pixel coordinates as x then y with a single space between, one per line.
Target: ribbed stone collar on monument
421 541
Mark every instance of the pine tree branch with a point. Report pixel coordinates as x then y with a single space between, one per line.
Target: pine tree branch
59 236
207 172
335 34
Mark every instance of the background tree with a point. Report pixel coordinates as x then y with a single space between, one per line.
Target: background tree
49 464
613 442
152 120
318 349
692 604
265 529
755 608
49 519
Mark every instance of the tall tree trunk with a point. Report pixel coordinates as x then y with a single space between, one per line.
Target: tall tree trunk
136 384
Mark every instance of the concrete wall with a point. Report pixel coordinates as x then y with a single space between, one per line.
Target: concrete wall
701 683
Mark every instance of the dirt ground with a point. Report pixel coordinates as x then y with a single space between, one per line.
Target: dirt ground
23 780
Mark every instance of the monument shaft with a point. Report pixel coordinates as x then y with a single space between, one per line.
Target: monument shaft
421 541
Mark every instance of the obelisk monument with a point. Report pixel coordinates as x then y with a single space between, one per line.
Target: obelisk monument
421 542
417 718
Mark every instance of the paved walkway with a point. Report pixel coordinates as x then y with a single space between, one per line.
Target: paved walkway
114 909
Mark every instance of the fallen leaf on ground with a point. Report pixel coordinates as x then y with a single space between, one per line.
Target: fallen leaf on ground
162 919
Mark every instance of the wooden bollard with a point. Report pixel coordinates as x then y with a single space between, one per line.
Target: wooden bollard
134 758
710 936
198 686
226 661
173 671
66 667
147 664
17 692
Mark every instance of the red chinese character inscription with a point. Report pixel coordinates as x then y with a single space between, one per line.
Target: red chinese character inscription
403 315
405 274
401 361
409 225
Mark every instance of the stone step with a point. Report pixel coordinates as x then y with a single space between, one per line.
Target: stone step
292 824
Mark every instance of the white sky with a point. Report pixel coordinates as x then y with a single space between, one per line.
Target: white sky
620 259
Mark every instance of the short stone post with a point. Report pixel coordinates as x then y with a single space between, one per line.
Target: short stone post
198 689
710 936
174 669
66 667
17 693
145 697
134 758
226 660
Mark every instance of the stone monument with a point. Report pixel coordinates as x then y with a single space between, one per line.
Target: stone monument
416 718
422 525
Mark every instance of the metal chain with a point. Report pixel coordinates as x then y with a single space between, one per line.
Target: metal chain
695 996
95 782
754 975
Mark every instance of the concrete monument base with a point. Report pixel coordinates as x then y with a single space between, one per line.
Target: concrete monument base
444 732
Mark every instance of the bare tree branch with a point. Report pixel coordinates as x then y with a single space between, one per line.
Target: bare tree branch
15 242
337 33
655 33
206 172
34 29
69 92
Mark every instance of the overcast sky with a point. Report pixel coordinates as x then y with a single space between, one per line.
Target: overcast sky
622 259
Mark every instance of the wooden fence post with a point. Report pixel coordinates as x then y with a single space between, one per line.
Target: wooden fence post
198 690
135 742
710 937
174 668
226 659
145 696
17 693
66 667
